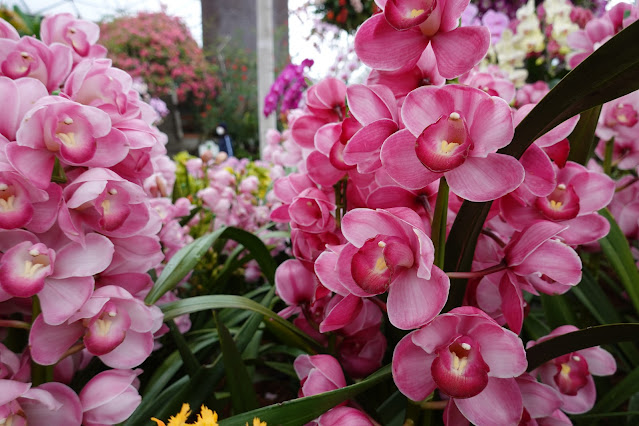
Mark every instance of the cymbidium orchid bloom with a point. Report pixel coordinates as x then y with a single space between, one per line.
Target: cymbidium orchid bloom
101 200
468 357
29 267
318 374
598 31
571 374
342 416
396 38
113 325
574 202
110 397
619 119
78 34
326 104
454 132
542 262
29 57
375 108
388 251
76 134
51 403
22 93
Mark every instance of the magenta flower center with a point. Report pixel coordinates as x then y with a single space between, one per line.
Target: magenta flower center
623 115
561 204
459 369
445 144
572 373
378 262
7 197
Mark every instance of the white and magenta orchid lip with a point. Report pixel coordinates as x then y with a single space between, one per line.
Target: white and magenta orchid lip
24 267
445 144
459 369
561 204
374 265
572 373
403 15
107 331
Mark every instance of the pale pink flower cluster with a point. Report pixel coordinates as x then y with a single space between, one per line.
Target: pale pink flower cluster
80 160
361 204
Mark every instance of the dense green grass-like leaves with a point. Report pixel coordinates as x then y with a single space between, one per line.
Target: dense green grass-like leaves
243 395
616 248
603 76
302 410
202 303
185 260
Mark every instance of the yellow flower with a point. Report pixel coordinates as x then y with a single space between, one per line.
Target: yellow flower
257 422
206 417
179 419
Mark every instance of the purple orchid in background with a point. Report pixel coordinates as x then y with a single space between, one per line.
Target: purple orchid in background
287 88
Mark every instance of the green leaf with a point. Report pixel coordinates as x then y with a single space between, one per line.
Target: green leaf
203 303
619 394
603 76
557 311
581 339
242 393
616 248
188 257
189 360
582 139
438 227
302 410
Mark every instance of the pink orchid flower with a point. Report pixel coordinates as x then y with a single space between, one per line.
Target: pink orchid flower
29 267
113 325
494 85
110 397
101 200
50 403
396 38
469 357
619 119
318 374
454 132
574 202
343 416
375 108
388 251
571 374
23 93
76 134
8 31
598 31
79 34
625 207
29 57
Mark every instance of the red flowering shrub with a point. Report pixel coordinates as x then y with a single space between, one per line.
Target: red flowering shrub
160 49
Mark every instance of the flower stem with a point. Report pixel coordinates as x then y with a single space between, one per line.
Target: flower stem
340 200
15 324
39 373
438 227
607 163
477 274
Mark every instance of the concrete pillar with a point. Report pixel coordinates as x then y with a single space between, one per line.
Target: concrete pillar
265 64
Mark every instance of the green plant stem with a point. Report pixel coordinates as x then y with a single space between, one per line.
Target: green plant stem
39 373
58 175
438 228
15 324
190 362
477 274
607 163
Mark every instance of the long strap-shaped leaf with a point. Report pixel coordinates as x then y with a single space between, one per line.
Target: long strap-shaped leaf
581 339
610 72
188 256
300 411
204 303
